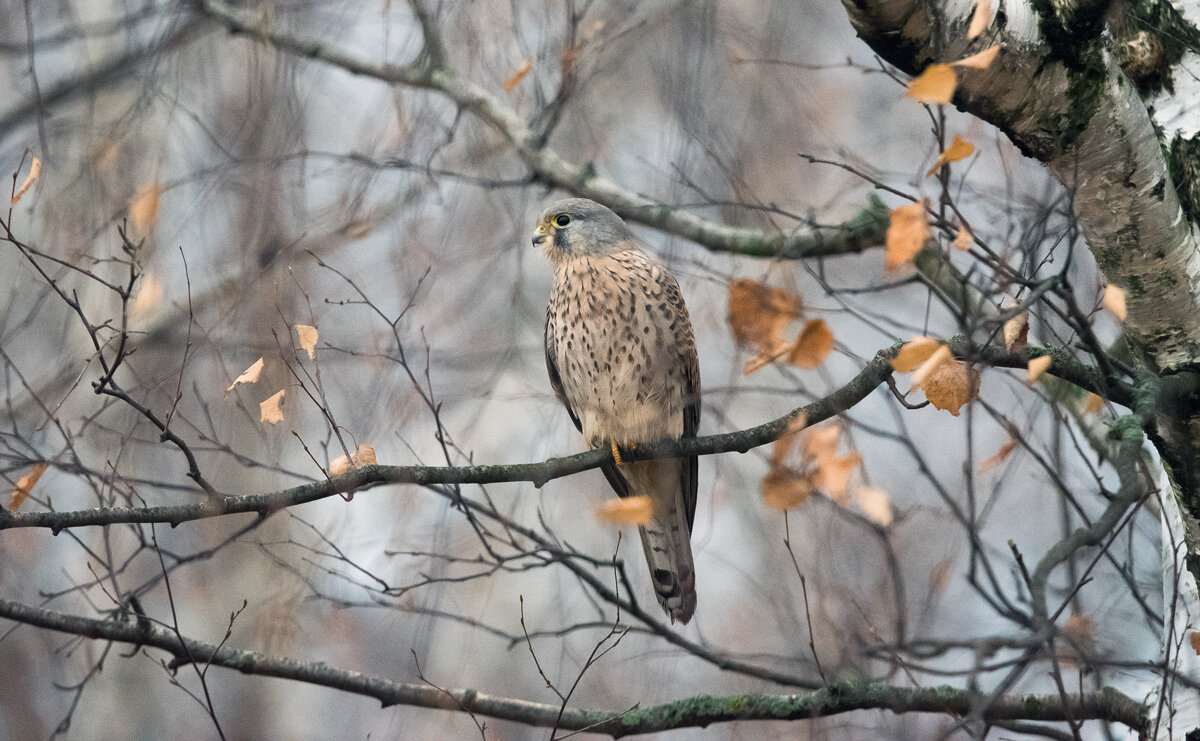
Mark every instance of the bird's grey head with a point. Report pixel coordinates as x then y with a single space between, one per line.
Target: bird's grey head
577 227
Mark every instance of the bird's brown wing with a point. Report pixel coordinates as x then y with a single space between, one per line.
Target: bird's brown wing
689 362
691 424
615 479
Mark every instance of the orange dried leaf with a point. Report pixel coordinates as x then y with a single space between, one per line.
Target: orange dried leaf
784 443
980 19
1080 632
963 239
957 150
308 339
143 212
524 68
812 346
1094 404
1080 627
784 489
908 228
25 485
913 353
934 85
149 296
821 443
271 410
250 375
339 465
941 356
1037 367
1194 639
1016 332
951 386
628 511
758 314
982 60
35 169
364 455
834 474
1114 300
1002 455
875 504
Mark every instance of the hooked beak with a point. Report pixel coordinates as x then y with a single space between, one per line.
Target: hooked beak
540 236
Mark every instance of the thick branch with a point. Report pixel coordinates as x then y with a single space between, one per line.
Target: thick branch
1065 101
860 232
873 374
538 474
1132 489
699 711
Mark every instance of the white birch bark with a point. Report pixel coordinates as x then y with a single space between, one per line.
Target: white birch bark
1070 106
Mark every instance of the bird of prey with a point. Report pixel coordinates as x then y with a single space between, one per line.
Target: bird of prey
622 360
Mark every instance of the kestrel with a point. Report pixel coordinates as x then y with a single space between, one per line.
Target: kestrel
622 360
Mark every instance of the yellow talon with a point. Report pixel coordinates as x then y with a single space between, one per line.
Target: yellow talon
615 451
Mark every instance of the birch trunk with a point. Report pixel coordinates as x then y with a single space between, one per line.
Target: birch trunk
1069 88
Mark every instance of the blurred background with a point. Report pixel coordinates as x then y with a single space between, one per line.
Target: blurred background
264 189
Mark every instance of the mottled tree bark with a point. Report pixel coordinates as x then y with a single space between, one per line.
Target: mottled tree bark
1071 96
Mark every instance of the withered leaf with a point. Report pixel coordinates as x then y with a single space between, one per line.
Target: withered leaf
364 455
957 150
908 229
935 85
628 511
271 410
821 443
250 375
980 19
524 68
1001 455
982 60
35 169
143 212
1114 300
1016 332
833 475
939 357
784 488
913 353
25 485
963 239
308 339
1037 366
951 386
812 346
758 314
875 504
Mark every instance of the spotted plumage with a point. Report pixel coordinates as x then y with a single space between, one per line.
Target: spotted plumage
622 359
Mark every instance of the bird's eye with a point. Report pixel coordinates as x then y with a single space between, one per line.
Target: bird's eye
562 220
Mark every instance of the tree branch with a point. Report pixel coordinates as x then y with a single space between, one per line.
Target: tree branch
1070 106
871 376
699 711
864 230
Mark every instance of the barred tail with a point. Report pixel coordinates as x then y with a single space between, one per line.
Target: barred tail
667 538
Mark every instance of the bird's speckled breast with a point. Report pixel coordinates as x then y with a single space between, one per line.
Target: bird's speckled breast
618 331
